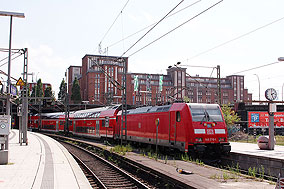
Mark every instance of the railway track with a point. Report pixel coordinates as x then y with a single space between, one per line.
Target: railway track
149 177
101 173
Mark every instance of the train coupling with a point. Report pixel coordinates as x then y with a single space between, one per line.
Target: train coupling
226 148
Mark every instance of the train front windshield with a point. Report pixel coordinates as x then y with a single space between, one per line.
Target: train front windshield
205 112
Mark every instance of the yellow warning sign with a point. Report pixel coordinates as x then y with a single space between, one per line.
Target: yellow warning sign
20 82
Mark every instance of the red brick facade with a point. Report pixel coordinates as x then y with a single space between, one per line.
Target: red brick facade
101 77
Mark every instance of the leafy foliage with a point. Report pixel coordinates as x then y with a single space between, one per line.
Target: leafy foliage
76 95
229 115
186 99
48 92
62 90
39 89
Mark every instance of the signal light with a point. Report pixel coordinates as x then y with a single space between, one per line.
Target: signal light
198 139
222 139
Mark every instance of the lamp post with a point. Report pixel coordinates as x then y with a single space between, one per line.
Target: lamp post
282 93
4 151
258 86
11 14
280 59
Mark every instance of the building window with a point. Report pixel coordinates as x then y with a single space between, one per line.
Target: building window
208 100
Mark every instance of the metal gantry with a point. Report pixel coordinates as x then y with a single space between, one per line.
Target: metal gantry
123 135
24 117
219 84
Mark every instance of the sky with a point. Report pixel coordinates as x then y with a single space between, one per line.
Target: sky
238 35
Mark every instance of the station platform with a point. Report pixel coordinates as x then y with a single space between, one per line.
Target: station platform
197 176
43 163
253 149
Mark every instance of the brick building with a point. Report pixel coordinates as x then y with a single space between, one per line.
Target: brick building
44 86
101 79
73 72
100 76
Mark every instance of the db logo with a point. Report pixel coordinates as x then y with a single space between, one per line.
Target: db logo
210 132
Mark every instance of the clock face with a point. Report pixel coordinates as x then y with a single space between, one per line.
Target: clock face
270 94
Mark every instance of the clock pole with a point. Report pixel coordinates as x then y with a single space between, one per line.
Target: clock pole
272 109
271 94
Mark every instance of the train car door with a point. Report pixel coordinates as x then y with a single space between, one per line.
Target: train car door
57 128
172 128
74 126
97 127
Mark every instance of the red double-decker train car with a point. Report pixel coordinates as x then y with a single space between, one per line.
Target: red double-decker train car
182 126
96 123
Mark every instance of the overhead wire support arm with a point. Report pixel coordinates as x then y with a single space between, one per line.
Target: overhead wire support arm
21 51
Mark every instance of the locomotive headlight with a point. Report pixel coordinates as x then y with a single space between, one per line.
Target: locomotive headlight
205 124
198 139
213 124
221 139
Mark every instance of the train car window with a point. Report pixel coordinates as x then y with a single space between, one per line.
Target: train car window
107 122
159 109
178 117
103 123
166 108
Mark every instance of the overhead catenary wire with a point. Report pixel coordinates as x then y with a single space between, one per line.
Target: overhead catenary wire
114 82
236 38
256 67
176 27
11 59
6 58
152 28
174 13
114 21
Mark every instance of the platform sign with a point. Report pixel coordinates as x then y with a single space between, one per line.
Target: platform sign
20 82
261 119
13 90
5 124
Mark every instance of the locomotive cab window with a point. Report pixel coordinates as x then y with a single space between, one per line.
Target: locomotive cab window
206 113
178 118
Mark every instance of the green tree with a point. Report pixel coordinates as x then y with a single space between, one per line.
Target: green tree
48 92
39 89
76 95
230 115
33 91
186 99
62 90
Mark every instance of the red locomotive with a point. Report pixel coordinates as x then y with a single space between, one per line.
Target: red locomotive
182 126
